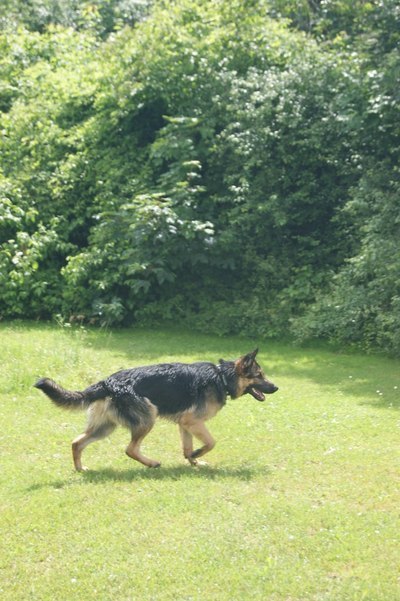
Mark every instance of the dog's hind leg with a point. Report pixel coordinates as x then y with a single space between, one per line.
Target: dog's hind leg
138 414
91 435
148 415
133 449
101 423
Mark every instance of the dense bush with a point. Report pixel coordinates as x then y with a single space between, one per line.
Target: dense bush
210 163
361 304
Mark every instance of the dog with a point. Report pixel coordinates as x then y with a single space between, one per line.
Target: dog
186 393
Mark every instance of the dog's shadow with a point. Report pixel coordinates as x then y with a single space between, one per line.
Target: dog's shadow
171 473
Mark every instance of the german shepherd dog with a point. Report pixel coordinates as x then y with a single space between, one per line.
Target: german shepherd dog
187 394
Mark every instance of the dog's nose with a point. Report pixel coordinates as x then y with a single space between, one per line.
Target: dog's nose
275 388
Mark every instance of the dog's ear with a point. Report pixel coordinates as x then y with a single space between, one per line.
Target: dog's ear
245 363
251 357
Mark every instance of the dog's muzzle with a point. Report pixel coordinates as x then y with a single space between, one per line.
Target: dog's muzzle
260 390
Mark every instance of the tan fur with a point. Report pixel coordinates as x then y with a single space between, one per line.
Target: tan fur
99 413
191 426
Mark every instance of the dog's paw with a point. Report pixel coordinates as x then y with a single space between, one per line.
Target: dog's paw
197 462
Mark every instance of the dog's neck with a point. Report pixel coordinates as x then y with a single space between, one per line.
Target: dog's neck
224 379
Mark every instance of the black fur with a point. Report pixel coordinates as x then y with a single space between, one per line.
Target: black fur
171 387
69 398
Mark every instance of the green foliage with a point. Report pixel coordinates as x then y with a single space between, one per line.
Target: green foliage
362 304
335 20
208 164
104 16
28 279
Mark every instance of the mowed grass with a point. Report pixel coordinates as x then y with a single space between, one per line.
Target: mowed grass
300 500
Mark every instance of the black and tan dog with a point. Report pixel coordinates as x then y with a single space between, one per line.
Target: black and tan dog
187 394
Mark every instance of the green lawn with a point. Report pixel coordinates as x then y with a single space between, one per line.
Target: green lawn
300 500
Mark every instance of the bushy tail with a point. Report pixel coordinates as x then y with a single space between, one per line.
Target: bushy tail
71 399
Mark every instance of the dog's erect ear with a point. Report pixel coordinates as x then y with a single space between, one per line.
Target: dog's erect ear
245 363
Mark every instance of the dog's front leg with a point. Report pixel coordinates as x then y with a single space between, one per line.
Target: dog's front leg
197 428
187 444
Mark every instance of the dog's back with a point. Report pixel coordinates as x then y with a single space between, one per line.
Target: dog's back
171 387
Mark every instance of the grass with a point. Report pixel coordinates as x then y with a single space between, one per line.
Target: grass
300 500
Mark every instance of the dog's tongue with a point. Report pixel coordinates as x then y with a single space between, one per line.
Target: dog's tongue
257 394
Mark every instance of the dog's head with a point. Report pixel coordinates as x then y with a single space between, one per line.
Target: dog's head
251 379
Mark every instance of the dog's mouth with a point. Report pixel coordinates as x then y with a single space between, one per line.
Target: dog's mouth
257 394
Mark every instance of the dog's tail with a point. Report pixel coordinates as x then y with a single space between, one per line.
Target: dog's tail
72 399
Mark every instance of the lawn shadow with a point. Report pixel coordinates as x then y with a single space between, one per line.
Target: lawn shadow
355 373
390 403
374 380
171 473
142 346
